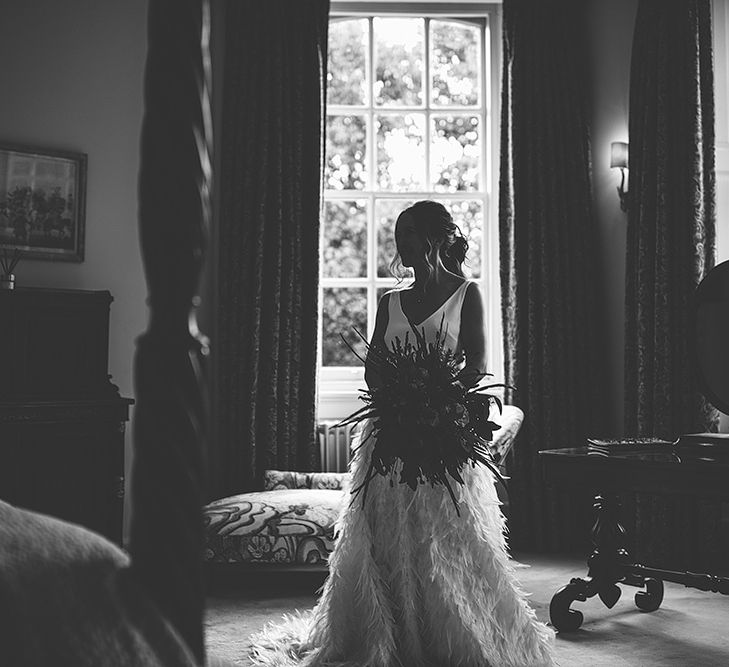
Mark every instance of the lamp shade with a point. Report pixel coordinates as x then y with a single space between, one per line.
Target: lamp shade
618 154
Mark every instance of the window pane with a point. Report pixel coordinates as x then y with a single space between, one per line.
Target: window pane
348 46
343 308
401 152
468 215
455 63
386 213
455 153
344 248
399 49
346 152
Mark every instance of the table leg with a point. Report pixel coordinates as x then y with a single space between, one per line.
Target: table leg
608 565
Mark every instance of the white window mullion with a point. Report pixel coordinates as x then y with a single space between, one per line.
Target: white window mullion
485 187
362 110
371 231
372 138
371 266
426 102
369 64
492 71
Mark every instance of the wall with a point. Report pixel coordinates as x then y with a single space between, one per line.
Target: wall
72 79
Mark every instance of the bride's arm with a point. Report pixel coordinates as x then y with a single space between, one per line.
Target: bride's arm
473 336
372 378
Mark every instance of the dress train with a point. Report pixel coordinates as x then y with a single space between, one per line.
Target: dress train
412 584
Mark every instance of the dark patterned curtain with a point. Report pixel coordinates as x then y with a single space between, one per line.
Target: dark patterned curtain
547 262
671 246
268 269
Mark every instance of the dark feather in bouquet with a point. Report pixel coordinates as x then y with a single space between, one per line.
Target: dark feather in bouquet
423 416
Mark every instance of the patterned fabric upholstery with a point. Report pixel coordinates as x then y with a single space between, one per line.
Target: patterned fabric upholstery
291 521
274 480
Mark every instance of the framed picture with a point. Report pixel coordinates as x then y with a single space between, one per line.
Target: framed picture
42 202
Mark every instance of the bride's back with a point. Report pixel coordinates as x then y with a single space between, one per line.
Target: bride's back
447 315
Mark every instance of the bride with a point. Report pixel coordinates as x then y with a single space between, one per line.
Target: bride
412 584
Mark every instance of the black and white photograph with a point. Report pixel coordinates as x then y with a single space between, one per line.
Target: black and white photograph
42 202
398 337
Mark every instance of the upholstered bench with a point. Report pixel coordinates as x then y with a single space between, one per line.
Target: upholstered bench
290 522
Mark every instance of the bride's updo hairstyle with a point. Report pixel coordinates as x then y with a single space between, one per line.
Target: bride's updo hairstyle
436 229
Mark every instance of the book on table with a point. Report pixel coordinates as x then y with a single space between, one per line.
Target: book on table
607 446
689 446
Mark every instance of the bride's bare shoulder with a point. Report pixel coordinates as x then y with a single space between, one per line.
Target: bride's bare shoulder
472 298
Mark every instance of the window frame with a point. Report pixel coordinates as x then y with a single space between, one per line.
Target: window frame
720 26
338 386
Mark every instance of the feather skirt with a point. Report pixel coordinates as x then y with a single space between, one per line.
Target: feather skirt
412 584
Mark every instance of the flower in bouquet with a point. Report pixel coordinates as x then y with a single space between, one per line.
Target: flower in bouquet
423 416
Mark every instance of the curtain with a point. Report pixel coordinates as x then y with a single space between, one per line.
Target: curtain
670 247
273 107
547 262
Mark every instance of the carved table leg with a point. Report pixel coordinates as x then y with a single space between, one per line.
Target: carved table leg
607 566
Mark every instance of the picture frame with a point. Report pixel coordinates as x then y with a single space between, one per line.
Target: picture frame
42 202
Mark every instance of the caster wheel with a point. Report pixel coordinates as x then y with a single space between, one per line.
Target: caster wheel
561 616
651 598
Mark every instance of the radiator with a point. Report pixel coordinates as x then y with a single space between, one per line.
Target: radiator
334 446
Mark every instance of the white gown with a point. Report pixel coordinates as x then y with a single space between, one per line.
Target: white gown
412 584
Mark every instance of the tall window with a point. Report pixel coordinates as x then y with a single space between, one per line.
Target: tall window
408 118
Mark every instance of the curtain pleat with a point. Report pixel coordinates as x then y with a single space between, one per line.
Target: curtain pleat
268 270
670 247
548 268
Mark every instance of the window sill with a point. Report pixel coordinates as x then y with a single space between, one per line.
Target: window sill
336 405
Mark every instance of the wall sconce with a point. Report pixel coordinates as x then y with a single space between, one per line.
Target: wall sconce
619 159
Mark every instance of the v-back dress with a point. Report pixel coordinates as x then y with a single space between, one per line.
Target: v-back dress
411 583
449 314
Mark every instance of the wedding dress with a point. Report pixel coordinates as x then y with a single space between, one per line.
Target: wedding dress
412 584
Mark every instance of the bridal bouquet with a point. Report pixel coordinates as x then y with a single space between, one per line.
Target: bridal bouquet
423 416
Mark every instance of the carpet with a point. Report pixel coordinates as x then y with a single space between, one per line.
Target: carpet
691 628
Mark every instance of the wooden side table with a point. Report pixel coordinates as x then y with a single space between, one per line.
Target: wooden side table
610 564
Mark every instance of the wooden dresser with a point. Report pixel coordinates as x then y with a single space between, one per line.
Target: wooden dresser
62 421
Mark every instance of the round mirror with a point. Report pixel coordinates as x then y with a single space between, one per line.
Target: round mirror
711 317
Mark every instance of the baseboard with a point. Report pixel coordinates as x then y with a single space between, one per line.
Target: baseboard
222 578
